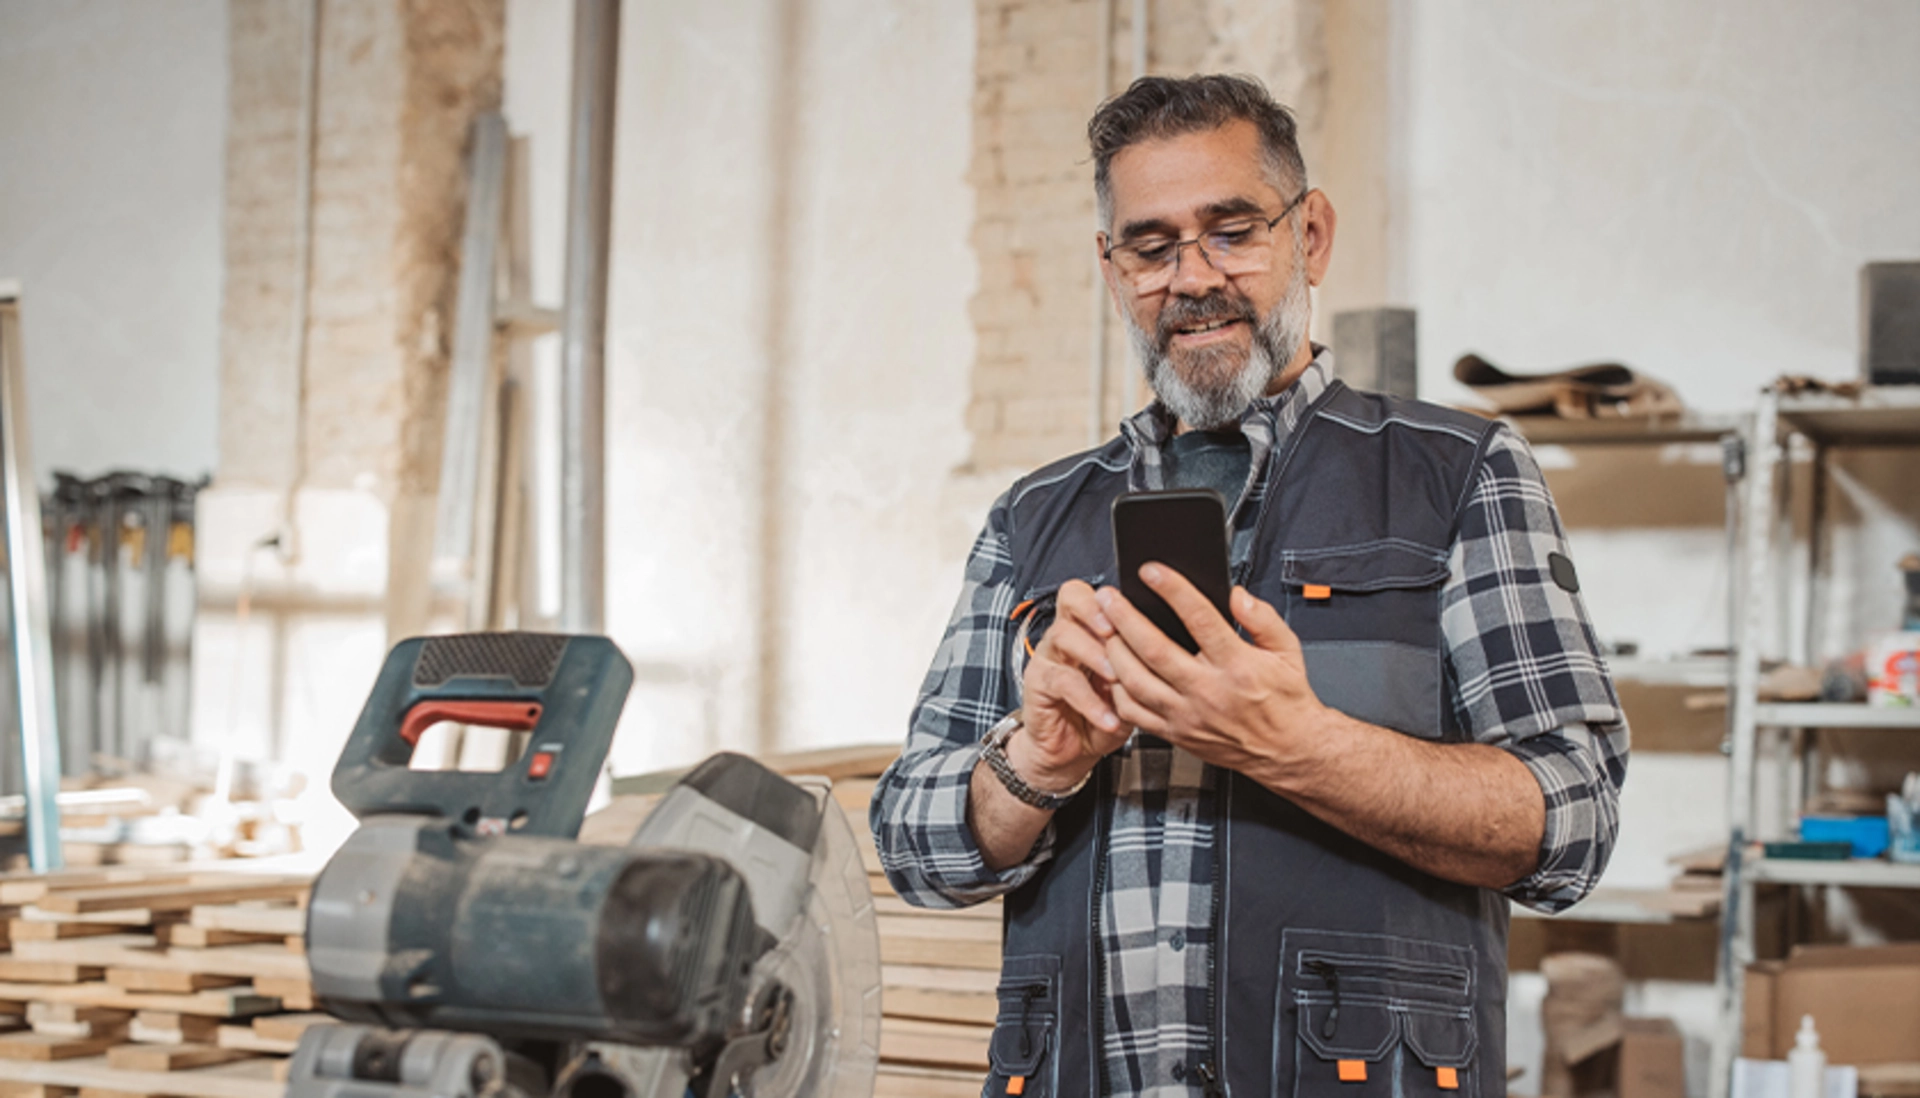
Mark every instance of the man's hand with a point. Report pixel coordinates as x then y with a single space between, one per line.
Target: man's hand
1470 813
1069 726
1243 706
1068 709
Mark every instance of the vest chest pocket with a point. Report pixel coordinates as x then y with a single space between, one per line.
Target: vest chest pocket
1369 625
1378 1016
1021 1053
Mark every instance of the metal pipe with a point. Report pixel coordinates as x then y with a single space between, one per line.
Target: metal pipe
596 56
32 633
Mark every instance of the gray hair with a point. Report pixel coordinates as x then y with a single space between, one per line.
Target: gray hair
1158 107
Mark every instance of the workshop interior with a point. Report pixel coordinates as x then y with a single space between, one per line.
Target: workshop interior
483 482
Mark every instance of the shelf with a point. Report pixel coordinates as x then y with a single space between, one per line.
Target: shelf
1855 872
1702 672
1629 905
1553 430
1887 414
1834 715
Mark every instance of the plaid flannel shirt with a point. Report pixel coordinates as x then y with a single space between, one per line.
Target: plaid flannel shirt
1523 673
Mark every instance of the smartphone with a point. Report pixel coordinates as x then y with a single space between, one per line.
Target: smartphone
1184 529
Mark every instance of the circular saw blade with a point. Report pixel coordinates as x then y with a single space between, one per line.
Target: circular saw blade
831 962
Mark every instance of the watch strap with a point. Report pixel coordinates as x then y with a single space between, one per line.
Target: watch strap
994 754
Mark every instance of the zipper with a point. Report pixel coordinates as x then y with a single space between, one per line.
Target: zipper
1205 1071
1328 966
1332 977
1098 1014
1027 995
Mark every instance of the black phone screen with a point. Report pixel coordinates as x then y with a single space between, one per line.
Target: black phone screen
1183 529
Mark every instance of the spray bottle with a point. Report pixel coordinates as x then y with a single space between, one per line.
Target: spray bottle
1806 1064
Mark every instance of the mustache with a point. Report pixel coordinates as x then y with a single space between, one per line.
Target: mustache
1185 312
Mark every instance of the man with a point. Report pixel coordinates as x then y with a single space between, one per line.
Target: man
1282 864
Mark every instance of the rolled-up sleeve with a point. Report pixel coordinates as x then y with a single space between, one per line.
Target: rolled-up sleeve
919 808
1527 673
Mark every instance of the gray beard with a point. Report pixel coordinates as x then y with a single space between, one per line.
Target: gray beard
1215 389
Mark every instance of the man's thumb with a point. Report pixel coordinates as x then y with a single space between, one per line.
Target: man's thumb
1264 625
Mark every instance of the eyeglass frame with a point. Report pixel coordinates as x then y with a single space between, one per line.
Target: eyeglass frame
1179 246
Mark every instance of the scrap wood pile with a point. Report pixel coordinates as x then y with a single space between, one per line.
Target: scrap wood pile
123 982
939 969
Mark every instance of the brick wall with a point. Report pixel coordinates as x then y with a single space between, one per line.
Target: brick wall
398 84
1036 83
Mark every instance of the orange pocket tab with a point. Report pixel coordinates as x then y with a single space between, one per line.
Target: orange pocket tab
1353 1071
1017 1085
1448 1078
1316 591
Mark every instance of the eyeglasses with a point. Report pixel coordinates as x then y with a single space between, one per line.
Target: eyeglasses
1237 247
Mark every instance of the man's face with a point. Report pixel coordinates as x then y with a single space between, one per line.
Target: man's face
1212 341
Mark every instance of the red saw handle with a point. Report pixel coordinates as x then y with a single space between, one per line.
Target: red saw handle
515 716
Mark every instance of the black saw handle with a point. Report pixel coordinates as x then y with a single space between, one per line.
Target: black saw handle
567 690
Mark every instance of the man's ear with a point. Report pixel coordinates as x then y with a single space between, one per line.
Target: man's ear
1116 294
1317 221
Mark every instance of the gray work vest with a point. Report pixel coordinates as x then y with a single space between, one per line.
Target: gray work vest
1325 949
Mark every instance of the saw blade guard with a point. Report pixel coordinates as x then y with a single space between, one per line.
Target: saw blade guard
812 896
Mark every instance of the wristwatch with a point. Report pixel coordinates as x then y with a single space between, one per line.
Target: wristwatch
994 754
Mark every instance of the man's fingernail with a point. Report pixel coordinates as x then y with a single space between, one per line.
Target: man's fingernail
1106 668
1150 573
1101 624
1104 596
1109 722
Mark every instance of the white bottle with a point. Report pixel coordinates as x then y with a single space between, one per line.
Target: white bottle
1806 1064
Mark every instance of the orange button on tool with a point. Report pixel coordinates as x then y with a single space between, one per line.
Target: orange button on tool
1448 1078
1353 1071
1316 591
540 765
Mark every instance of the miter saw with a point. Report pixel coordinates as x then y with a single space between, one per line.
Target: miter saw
474 949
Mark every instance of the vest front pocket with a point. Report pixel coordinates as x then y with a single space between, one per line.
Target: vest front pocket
1021 1054
1368 619
1378 1015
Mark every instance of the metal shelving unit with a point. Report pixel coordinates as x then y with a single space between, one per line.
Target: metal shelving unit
1875 417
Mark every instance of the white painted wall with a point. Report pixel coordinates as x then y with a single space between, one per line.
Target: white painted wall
112 138
788 355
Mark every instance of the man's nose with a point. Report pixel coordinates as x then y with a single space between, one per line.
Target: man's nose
1194 274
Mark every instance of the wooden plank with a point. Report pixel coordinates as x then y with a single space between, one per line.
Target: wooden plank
172 897
279 921
244 1039
175 983
939 952
252 1078
894 905
223 1003
105 1092
24 970
941 977
170 1057
906 1081
74 1012
288 1027
294 994
942 1044
836 763
38 930
34 1090
120 921
202 937
167 1027
25 888
920 925
40 1046
940 1005
141 951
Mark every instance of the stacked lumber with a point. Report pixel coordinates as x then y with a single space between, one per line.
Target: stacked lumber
119 982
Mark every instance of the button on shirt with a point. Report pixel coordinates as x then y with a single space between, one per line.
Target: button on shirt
1523 673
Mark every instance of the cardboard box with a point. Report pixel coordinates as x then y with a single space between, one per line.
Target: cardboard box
1653 1060
1865 1000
